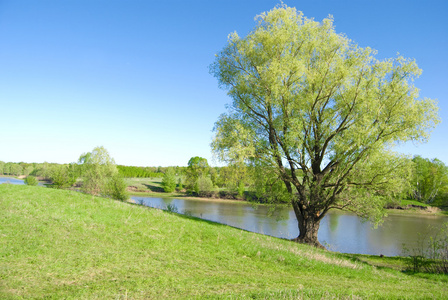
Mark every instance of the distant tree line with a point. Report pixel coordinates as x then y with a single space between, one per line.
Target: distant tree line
53 171
428 182
141 172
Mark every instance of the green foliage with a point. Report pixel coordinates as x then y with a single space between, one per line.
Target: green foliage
28 170
267 186
43 170
31 180
116 188
241 189
64 176
321 111
169 181
204 186
6 168
138 172
430 178
197 167
16 169
100 175
180 186
96 169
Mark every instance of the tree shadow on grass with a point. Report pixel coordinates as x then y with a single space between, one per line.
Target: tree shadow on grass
154 188
379 261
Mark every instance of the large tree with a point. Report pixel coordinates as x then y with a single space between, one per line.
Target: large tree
322 111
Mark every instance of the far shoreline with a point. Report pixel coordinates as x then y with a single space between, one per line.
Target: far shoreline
394 211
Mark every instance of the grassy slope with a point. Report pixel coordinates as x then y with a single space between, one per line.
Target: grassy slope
57 244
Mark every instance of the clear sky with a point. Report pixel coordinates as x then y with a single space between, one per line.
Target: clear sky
132 76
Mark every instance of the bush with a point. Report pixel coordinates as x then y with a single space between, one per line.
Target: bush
63 177
116 188
204 186
169 181
31 180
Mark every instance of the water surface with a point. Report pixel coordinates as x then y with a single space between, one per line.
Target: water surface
11 180
339 231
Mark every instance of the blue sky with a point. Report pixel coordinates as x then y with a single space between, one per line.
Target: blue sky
132 76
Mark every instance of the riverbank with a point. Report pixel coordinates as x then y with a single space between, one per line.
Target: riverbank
404 209
63 244
146 187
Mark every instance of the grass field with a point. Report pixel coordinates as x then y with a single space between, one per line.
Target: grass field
64 244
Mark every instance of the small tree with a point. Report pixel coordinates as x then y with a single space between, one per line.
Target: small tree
63 176
97 167
31 180
204 186
169 180
116 188
197 167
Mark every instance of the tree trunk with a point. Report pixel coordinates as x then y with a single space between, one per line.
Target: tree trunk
308 228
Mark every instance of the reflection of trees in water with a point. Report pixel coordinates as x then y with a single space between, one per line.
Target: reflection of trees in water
401 229
333 221
271 220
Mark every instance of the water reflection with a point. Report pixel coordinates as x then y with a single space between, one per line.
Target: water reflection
341 232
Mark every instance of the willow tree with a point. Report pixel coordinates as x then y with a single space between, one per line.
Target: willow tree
322 111
100 175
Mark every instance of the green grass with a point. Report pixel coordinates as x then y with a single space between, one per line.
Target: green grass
146 184
413 202
64 244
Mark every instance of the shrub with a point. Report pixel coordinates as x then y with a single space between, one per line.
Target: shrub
204 186
116 188
169 181
31 180
63 176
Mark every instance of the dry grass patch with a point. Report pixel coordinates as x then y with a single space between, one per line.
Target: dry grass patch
313 254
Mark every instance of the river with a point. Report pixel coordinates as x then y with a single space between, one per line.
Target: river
11 180
339 231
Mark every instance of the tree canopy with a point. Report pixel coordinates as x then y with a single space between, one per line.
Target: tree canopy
100 175
430 177
322 111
